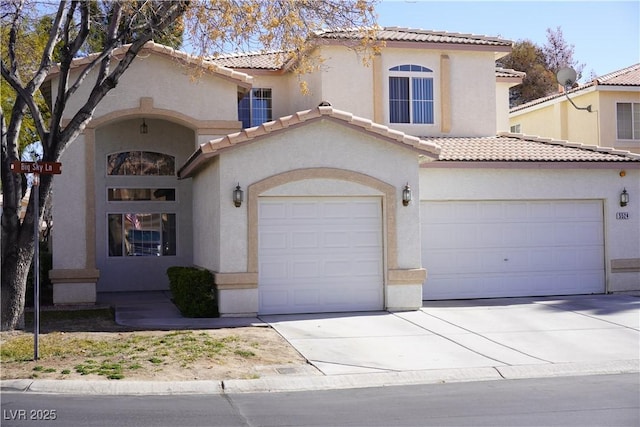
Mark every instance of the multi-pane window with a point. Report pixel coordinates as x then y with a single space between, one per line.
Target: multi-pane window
628 117
140 221
142 234
255 108
411 98
515 128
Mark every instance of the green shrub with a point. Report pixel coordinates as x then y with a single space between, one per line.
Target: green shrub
193 291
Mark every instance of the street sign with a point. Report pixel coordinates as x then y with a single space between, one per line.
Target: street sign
37 168
46 168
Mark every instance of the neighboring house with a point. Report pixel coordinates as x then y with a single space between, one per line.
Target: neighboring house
384 186
613 119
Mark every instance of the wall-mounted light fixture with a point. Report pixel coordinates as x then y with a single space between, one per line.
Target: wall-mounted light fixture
406 195
238 195
624 198
144 129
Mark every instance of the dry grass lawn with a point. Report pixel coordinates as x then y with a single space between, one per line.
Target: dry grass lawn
90 345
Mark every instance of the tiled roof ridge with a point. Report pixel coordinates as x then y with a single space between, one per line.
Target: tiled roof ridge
570 144
315 113
248 54
603 79
446 33
325 33
510 71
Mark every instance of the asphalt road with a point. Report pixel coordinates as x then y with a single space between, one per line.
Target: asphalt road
599 400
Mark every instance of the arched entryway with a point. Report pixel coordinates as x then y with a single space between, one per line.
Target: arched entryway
142 211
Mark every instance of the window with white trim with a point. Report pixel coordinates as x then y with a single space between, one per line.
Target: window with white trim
411 98
628 118
255 108
515 129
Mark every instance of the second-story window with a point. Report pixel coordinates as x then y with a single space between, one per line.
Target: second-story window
628 117
255 108
411 94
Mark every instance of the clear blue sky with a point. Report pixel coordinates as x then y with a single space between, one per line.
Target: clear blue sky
605 34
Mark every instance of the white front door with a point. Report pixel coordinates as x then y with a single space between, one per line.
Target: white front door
484 249
320 254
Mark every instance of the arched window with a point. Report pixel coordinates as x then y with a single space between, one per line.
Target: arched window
142 163
411 97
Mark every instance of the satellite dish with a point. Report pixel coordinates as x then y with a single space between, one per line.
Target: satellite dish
566 76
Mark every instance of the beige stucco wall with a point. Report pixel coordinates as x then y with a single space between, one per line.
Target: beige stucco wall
349 85
201 96
69 209
622 237
280 86
206 214
320 158
502 106
472 96
346 83
608 114
559 119
319 144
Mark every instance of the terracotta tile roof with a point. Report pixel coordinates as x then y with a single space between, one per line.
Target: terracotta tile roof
507 147
214 147
629 76
276 60
418 35
509 73
253 60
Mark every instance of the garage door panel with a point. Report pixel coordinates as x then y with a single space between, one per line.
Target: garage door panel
512 248
274 240
273 269
273 210
304 210
330 258
305 269
336 239
304 239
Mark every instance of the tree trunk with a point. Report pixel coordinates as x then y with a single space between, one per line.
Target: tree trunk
15 269
17 259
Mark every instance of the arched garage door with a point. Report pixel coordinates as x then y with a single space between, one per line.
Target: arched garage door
320 254
486 249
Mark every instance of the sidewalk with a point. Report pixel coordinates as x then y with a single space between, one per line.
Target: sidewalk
449 341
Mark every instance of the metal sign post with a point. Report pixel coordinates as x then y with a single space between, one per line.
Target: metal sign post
35 188
36 168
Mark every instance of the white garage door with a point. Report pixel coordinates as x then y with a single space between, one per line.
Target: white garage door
320 254
485 249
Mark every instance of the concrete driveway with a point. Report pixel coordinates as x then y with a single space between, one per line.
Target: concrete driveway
522 333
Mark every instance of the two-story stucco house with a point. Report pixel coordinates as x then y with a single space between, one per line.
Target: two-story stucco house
384 186
608 112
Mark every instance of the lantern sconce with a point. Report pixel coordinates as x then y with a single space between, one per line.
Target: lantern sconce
624 198
238 196
406 195
144 129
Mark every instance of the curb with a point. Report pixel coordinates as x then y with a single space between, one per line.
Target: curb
319 383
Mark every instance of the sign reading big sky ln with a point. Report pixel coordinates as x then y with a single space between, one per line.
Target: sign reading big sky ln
48 168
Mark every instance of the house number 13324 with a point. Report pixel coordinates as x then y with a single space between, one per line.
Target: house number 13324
622 215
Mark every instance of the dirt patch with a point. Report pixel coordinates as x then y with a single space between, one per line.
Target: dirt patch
68 351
